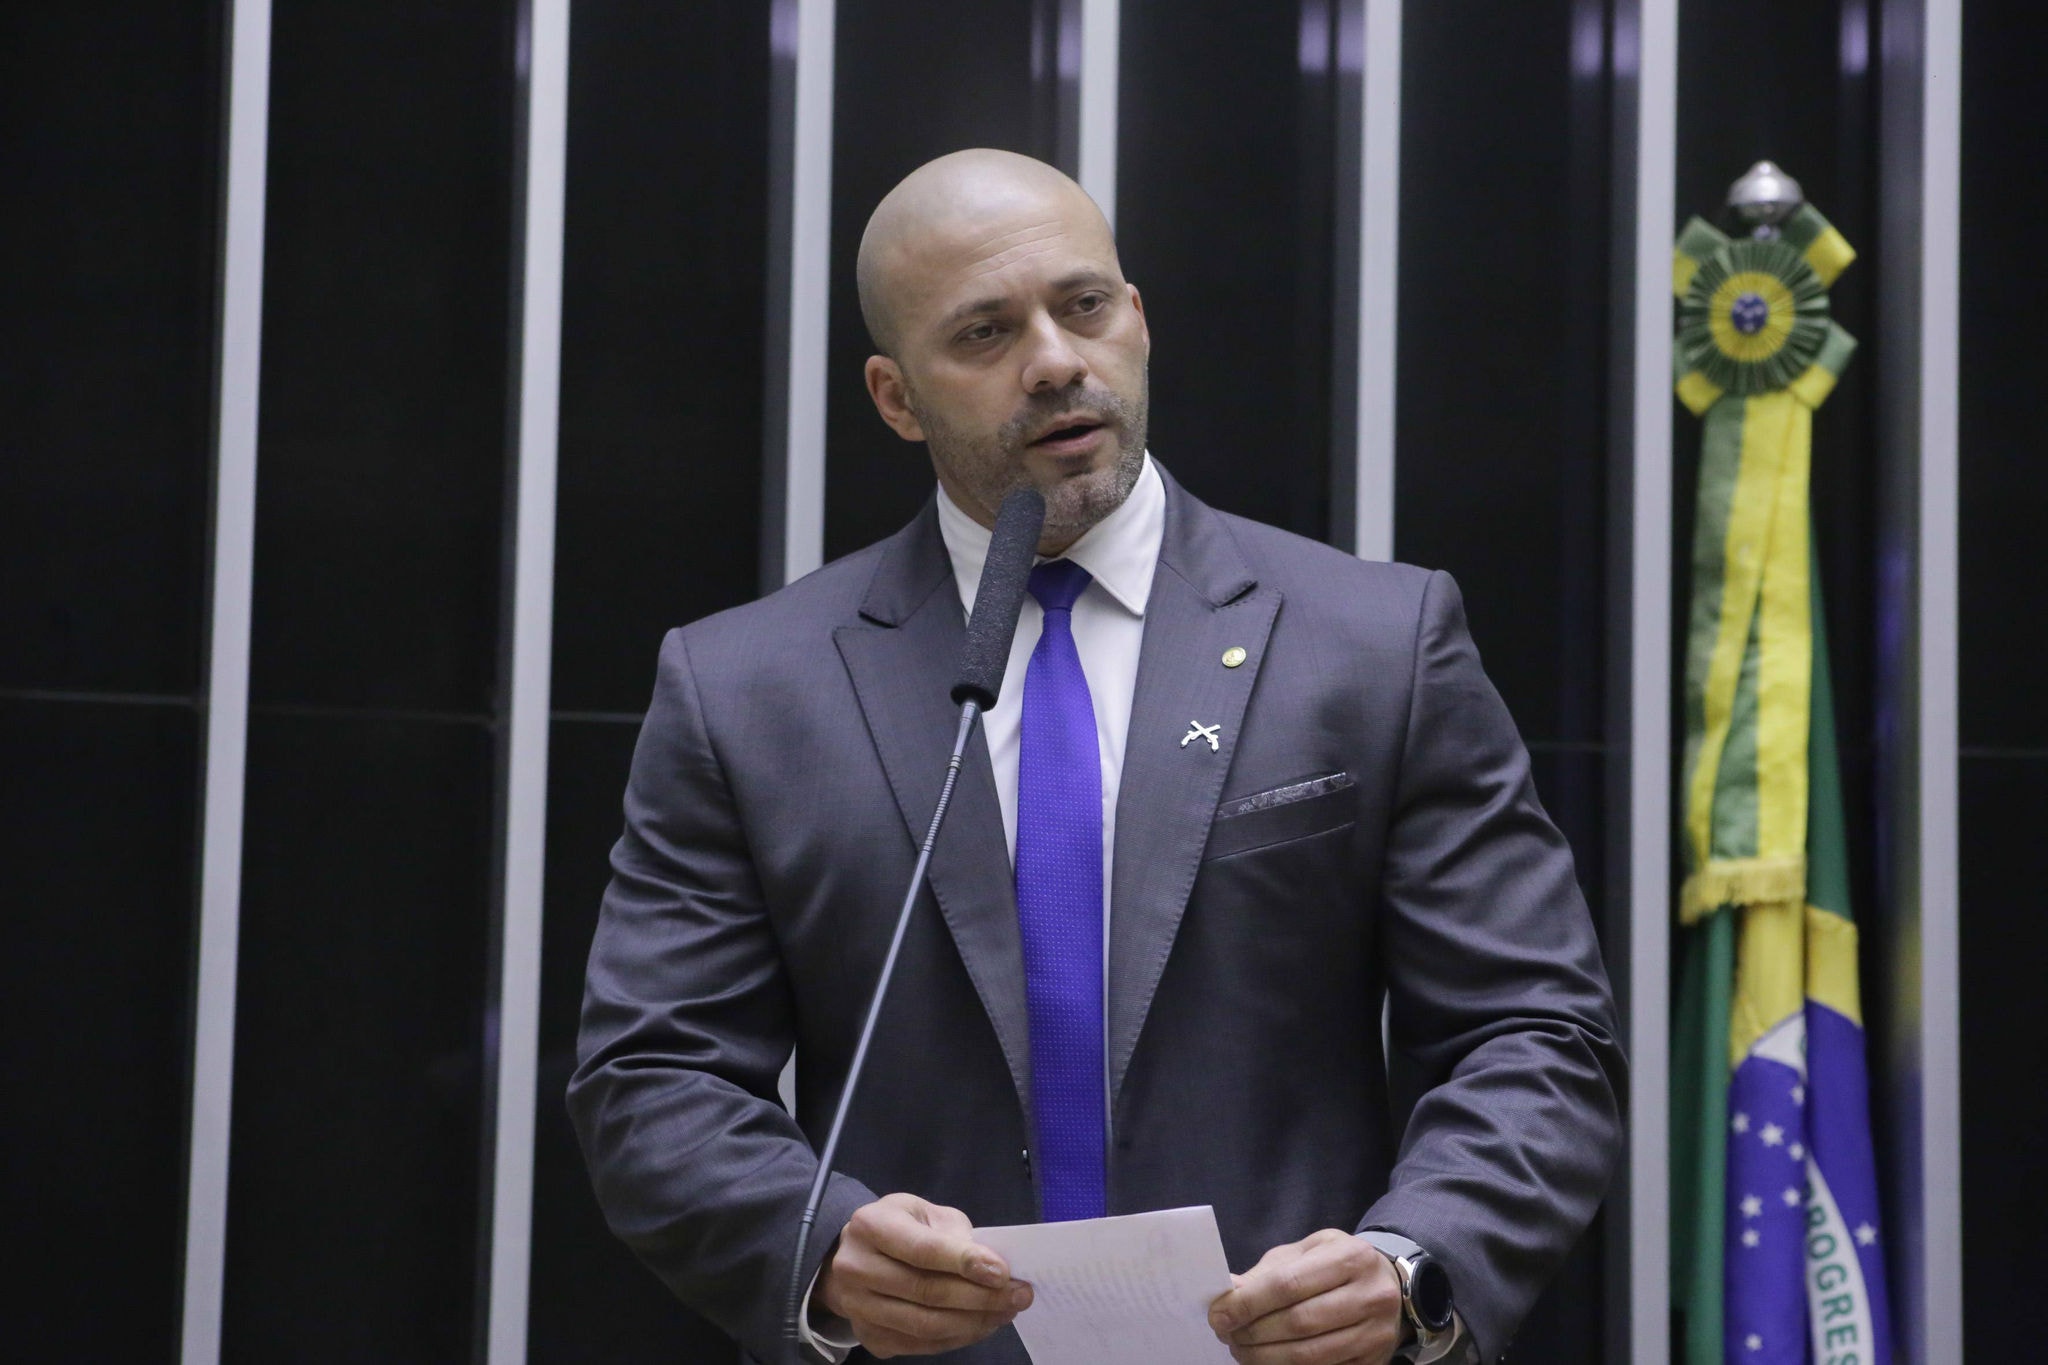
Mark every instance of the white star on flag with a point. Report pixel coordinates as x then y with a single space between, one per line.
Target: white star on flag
1773 1135
1740 1123
1796 1152
1754 1342
1798 1094
1750 1238
1866 1235
1752 1206
1791 1198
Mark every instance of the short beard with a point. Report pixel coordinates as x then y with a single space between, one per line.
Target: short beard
991 467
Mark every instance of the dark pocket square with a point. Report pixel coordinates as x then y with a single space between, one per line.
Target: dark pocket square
1294 811
1284 796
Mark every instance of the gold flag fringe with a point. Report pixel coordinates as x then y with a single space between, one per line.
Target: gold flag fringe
1741 881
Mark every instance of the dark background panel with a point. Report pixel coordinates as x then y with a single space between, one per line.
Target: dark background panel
2003 652
2005 1182
359 1043
359 1132
1806 100
1226 175
109 125
109 132
663 335
1502 340
2002 303
913 79
385 359
97 873
591 1300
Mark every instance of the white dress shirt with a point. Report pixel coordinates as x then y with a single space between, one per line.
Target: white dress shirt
1120 553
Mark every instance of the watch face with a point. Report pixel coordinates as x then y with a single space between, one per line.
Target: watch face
1429 1291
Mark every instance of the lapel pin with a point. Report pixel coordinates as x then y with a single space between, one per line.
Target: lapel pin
1233 656
1197 730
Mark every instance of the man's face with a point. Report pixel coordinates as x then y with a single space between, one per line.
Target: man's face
1020 359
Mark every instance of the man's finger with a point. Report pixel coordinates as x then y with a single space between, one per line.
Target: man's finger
1274 1284
1365 1342
936 1288
932 1329
899 1235
1349 1304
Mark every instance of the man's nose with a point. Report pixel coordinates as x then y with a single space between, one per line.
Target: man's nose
1052 363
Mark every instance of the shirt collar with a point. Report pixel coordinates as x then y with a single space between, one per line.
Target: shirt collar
1119 552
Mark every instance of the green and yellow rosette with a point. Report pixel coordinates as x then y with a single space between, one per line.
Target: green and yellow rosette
1753 313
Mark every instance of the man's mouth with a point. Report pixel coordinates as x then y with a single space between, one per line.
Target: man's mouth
1068 435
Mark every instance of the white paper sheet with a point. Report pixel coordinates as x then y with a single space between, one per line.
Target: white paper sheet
1133 1290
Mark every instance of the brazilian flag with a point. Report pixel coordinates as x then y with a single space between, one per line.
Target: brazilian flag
1777 1258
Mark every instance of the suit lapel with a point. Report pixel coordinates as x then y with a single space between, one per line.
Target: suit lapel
900 662
1204 601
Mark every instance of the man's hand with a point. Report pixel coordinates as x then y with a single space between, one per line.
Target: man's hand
911 1279
1329 1299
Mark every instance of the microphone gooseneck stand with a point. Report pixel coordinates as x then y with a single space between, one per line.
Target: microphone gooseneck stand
984 659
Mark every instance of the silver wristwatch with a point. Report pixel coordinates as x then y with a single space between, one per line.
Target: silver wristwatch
1426 1301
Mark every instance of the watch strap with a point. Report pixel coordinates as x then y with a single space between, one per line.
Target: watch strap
1392 1245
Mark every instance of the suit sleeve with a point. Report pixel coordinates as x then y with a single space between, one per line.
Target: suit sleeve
1496 995
687 1021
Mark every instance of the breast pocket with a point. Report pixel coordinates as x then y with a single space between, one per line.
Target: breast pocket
1294 811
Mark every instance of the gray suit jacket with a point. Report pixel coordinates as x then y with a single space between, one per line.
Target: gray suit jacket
788 765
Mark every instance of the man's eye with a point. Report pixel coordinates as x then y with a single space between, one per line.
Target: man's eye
980 333
1091 303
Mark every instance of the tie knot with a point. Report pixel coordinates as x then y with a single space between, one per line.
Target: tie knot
1058 583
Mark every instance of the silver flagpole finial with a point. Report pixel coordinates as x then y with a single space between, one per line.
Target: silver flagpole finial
1765 196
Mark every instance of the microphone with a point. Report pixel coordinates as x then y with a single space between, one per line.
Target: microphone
1004 574
983 660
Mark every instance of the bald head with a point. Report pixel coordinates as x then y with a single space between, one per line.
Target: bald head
956 207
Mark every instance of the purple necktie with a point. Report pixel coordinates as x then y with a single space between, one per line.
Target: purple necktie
1059 904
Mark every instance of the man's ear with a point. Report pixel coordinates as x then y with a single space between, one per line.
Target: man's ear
886 387
1138 303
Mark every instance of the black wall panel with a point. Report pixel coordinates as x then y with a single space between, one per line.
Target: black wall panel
387 287
109 132
358 1122
913 79
1226 174
97 874
664 312
359 1129
658 523
1501 473
1501 476
2004 650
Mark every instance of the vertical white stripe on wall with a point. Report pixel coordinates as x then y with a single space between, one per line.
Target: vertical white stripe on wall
1379 240
239 356
1650 635
545 59
1940 1315
810 271
1101 37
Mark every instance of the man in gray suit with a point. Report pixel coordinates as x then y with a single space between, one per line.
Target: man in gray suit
1298 798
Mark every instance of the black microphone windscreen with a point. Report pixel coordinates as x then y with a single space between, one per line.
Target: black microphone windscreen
1004 574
